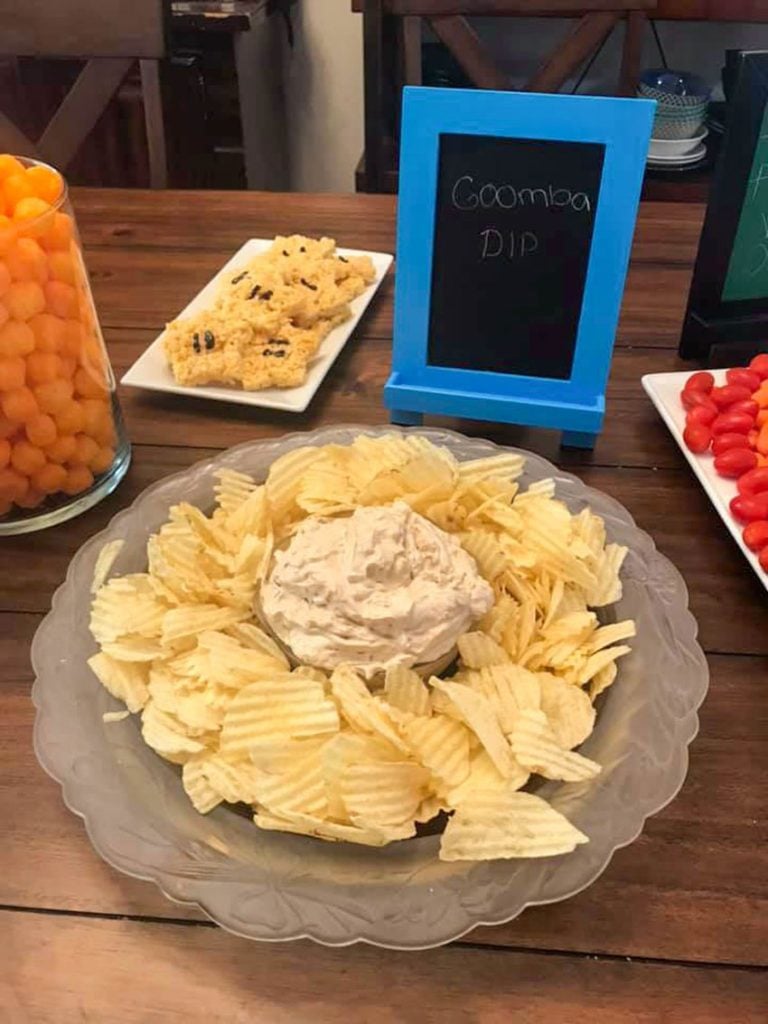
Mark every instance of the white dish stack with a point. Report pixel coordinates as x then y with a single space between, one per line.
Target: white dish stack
679 127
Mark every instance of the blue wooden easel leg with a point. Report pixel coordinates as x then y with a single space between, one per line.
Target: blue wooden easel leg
577 439
404 418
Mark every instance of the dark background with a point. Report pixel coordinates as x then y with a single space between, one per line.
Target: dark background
516 316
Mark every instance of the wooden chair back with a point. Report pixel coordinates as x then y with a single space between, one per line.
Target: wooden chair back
110 35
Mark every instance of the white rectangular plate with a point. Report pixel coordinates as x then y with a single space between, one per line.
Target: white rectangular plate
664 391
151 371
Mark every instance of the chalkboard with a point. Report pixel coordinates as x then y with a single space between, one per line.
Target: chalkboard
514 219
727 315
747 275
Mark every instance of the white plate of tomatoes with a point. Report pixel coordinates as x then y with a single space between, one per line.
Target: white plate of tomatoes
719 418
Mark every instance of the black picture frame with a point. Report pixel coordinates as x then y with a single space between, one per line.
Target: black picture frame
715 329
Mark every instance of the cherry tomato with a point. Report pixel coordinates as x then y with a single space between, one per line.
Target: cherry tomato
748 407
691 399
759 365
697 437
749 510
745 378
724 442
701 414
754 482
763 559
728 394
735 462
732 423
701 381
756 535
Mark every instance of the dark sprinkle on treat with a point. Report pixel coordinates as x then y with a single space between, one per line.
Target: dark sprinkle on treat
279 341
302 248
254 291
267 352
210 341
286 253
236 280
267 295
196 341
279 354
343 259
312 287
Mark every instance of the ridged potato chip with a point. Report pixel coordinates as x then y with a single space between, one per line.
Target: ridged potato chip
166 735
441 745
204 798
406 690
383 793
503 824
104 561
509 689
478 650
568 708
300 787
360 709
266 711
484 777
535 746
479 715
232 489
305 824
125 680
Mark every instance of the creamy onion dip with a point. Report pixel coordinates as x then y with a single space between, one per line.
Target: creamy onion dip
379 588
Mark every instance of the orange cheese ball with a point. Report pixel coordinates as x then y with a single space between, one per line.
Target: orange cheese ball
86 449
61 299
9 165
13 485
68 367
4 315
5 278
62 267
41 430
79 479
7 427
49 479
62 449
19 405
59 233
12 373
46 183
33 216
16 339
31 499
97 415
72 338
15 188
89 384
8 233
5 452
54 396
24 299
26 458
71 419
48 330
103 459
43 367
26 261
106 434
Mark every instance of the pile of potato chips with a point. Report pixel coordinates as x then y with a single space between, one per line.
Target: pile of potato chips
327 756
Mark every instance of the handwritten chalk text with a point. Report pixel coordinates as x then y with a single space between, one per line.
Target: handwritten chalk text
465 195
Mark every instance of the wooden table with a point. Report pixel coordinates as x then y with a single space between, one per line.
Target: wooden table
675 930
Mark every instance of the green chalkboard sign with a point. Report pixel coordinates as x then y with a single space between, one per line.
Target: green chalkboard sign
747 276
728 302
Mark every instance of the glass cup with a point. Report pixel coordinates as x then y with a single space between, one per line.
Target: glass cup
63 445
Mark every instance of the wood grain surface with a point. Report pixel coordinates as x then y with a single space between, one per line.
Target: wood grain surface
689 897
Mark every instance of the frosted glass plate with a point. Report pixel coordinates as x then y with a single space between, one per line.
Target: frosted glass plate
267 885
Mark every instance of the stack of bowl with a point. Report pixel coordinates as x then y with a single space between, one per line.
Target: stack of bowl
681 113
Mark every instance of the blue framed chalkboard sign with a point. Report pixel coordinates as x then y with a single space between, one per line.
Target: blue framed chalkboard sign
515 222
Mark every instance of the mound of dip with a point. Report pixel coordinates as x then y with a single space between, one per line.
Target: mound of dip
379 588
